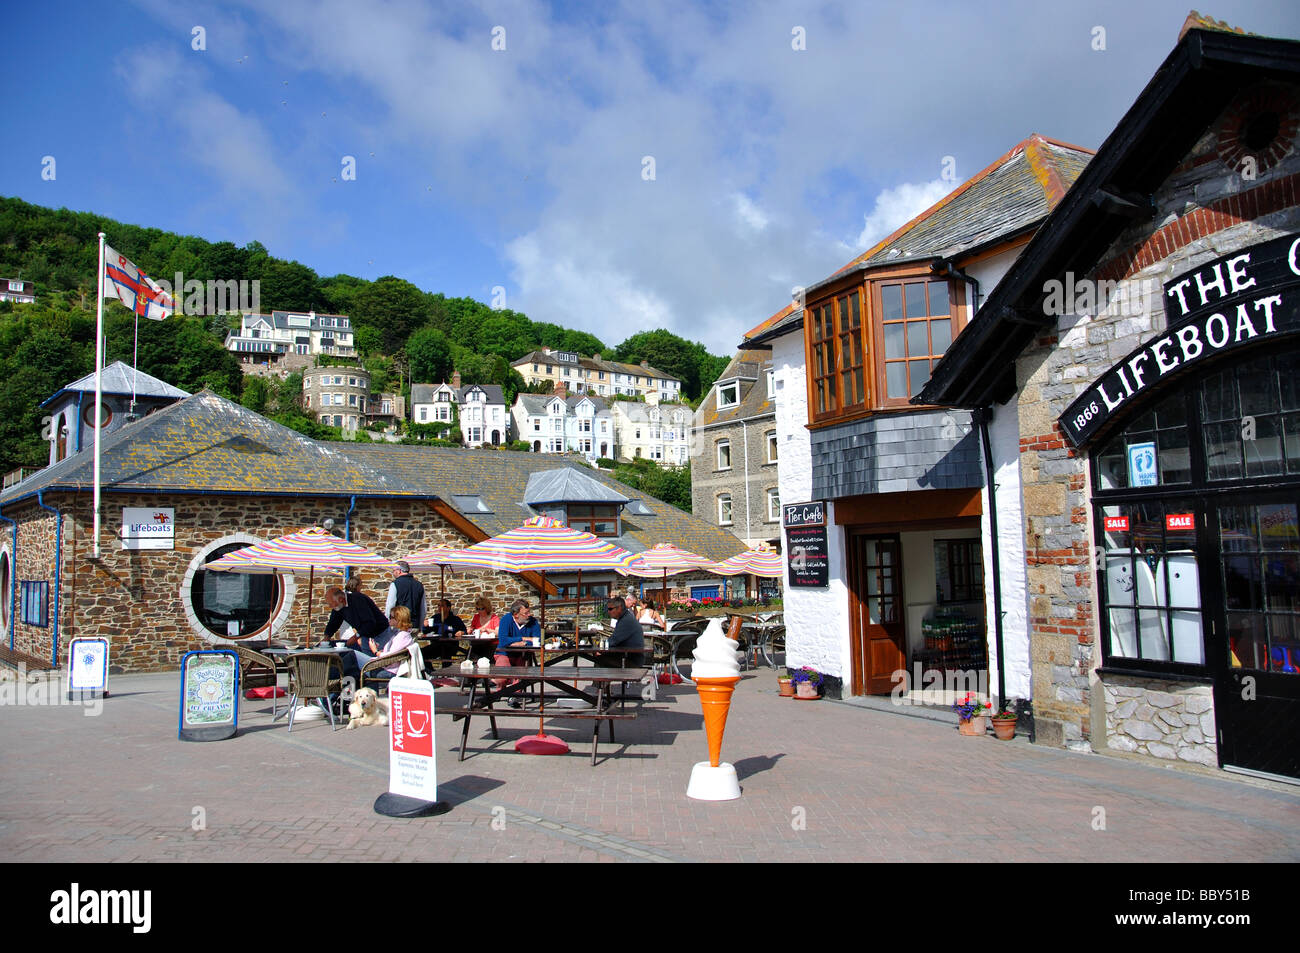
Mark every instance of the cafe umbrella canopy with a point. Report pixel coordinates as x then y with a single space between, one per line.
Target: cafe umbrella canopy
301 553
760 560
663 560
435 557
542 545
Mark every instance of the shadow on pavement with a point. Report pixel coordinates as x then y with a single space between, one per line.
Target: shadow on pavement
748 767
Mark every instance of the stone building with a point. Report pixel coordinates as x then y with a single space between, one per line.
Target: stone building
337 396
1138 369
899 490
215 477
734 453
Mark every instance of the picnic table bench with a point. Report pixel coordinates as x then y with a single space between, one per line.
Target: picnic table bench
483 697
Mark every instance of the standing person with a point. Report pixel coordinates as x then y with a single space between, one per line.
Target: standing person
406 590
359 611
514 629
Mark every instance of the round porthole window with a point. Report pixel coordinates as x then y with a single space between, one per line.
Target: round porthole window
88 415
223 605
1260 131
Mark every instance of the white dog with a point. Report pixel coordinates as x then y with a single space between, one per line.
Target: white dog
367 708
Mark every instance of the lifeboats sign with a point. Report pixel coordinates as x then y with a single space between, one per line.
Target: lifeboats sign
1242 299
148 527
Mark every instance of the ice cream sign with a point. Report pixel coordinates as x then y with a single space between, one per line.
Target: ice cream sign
1248 298
152 527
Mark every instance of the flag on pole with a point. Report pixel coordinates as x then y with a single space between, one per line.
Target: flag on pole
135 289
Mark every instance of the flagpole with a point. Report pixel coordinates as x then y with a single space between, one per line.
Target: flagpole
99 385
135 358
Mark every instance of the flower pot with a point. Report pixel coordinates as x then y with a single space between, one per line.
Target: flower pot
805 690
1004 728
972 726
786 687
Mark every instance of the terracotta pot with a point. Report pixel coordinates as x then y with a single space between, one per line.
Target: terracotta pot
786 687
805 690
1004 728
972 726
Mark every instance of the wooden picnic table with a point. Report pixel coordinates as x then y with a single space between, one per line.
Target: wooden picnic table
597 708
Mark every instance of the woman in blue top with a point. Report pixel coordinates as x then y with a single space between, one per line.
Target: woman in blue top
516 627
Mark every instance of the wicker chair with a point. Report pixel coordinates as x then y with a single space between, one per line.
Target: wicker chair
257 671
312 675
381 662
659 648
773 643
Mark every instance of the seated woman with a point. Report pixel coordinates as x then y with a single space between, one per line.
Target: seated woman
646 614
399 639
485 621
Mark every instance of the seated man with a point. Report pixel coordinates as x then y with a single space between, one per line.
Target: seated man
627 634
515 629
360 612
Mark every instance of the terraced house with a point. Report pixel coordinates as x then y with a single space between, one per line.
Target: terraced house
594 375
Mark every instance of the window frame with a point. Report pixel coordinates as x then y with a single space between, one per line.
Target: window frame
872 331
730 520
732 385
773 447
774 512
718 446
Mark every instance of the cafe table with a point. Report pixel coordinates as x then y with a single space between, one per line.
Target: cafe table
594 707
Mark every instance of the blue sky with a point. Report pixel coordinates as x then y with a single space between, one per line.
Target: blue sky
525 167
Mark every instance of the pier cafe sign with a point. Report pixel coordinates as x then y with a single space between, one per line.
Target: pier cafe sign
1242 299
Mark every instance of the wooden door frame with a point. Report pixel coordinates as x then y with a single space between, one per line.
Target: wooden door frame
856 607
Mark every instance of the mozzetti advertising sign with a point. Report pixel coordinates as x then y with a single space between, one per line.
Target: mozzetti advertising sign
1242 299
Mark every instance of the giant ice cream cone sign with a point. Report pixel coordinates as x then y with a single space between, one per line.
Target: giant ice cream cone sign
716 671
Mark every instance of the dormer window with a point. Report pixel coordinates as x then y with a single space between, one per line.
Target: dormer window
728 394
599 520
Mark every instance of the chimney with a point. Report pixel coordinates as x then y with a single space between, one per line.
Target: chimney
561 390
455 379
645 364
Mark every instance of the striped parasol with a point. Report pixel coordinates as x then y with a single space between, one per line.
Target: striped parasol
544 545
761 560
303 552
435 557
664 560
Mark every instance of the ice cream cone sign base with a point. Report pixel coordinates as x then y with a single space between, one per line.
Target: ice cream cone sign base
716 672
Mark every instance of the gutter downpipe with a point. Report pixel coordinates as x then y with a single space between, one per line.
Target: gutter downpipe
347 530
981 416
58 566
13 577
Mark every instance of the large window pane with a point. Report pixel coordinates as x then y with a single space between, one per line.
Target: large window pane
894 346
918 340
940 335
896 379
915 300
891 302
938 297
920 373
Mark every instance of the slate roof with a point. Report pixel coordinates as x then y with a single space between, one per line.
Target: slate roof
753 392
424 393
492 392
1010 196
500 476
206 443
536 404
280 320
569 485
116 378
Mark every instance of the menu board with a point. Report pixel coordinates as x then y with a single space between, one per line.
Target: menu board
807 557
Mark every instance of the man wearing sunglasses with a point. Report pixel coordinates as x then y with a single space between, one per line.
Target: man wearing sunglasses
628 633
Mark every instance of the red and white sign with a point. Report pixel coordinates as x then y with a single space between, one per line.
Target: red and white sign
1117 524
412 768
1180 521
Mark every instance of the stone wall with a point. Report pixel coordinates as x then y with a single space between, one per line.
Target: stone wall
1173 721
707 481
135 598
33 561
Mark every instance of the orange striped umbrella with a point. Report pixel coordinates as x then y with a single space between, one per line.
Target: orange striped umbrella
761 560
664 560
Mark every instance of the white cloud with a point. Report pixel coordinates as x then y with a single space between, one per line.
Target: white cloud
897 206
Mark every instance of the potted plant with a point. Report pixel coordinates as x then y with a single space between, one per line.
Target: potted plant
971 712
785 686
1004 723
807 682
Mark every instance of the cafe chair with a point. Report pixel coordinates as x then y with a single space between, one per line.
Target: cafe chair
377 665
257 671
312 675
772 644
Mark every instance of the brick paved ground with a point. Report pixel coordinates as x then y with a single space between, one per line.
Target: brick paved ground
868 785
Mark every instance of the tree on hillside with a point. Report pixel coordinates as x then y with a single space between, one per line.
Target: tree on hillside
179 350
40 352
667 352
288 286
394 307
429 353
339 292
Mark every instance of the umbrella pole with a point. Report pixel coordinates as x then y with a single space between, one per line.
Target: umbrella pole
442 584
541 655
311 579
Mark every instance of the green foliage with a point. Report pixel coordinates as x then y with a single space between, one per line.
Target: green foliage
429 352
309 427
687 360
672 485
521 446
394 307
605 463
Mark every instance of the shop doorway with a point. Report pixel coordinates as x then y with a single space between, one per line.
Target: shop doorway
877 631
1257 688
